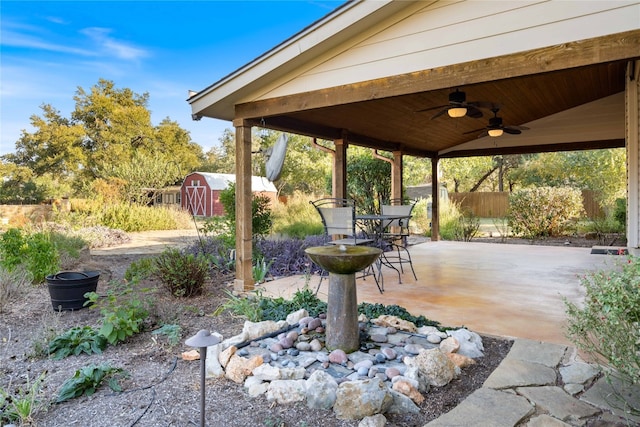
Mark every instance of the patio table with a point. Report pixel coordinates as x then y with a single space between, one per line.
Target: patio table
378 223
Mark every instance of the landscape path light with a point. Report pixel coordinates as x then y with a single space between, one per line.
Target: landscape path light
202 340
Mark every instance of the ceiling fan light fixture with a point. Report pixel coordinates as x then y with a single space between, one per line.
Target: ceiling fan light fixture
495 132
456 112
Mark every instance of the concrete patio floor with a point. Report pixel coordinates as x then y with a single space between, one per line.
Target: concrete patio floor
506 290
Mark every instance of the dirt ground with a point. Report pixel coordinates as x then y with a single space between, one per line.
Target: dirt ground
162 389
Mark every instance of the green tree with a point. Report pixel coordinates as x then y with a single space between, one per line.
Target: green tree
55 147
142 175
108 129
368 179
463 174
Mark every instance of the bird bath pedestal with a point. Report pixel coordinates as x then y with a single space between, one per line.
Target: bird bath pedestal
342 263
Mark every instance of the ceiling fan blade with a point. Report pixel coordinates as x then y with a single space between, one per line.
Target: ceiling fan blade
432 108
439 113
483 134
511 130
473 112
486 105
474 131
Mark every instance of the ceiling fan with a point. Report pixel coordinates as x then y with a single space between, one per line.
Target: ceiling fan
497 128
459 107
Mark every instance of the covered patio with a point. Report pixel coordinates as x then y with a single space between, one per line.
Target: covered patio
495 289
363 74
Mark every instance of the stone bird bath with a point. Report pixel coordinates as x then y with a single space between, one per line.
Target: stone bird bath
342 262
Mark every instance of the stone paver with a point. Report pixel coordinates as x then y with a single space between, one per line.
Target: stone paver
537 352
558 403
524 393
486 407
519 373
610 396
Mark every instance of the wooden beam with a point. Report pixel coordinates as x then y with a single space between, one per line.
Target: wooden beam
554 58
244 271
542 148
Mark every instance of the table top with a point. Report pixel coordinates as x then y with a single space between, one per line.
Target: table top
374 217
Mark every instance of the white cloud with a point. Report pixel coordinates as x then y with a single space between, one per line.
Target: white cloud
113 47
15 39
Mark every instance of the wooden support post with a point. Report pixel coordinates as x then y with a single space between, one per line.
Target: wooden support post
340 169
244 272
632 99
435 200
396 175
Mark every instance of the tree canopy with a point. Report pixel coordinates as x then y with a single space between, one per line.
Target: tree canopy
108 129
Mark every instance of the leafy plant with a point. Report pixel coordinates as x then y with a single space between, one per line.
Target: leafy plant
287 255
467 226
75 341
243 306
217 250
139 270
123 312
260 269
36 252
41 257
86 381
605 326
184 274
12 249
22 405
261 216
172 331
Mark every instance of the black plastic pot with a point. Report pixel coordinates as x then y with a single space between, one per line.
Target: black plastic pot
67 288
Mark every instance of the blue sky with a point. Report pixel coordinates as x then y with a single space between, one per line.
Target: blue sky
50 48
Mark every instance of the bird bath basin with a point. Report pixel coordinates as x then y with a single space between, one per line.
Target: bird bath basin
342 262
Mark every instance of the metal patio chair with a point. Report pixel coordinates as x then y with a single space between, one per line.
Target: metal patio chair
339 221
396 235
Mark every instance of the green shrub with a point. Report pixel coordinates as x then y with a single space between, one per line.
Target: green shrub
36 252
467 226
449 220
77 340
261 217
123 311
12 249
620 213
41 257
140 270
606 325
184 274
420 220
543 211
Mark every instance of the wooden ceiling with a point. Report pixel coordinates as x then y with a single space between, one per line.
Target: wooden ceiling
396 123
